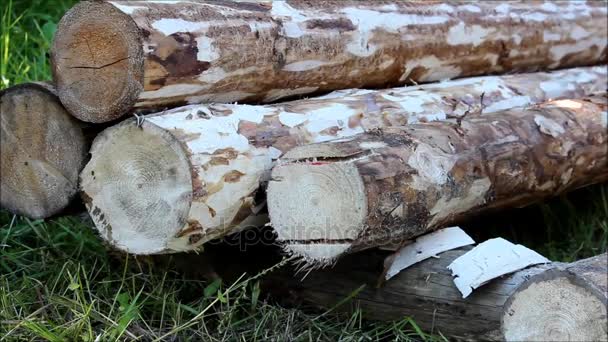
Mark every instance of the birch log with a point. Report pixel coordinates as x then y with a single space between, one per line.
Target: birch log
43 149
201 166
383 187
109 57
551 302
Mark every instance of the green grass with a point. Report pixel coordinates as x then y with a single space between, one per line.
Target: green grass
58 282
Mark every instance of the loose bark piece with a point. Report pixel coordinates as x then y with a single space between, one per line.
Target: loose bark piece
222 153
108 57
394 184
43 150
550 302
491 259
425 247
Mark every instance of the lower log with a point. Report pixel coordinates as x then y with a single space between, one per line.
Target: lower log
384 187
550 302
43 149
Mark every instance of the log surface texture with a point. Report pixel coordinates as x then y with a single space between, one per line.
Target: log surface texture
224 152
109 57
393 184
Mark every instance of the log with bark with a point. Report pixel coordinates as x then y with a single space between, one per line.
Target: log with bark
109 57
192 174
43 149
387 186
550 302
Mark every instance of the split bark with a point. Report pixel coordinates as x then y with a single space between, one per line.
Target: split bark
192 174
550 302
387 186
109 57
43 149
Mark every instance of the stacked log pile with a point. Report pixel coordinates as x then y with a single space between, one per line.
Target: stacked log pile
439 111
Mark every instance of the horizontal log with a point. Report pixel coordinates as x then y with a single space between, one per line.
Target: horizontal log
193 174
108 57
550 302
43 149
387 186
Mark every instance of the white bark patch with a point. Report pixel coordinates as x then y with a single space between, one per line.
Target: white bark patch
549 36
336 115
489 260
368 20
503 8
170 26
292 119
534 16
206 51
470 8
368 145
549 7
425 247
433 166
127 9
274 153
436 69
304 65
514 102
579 33
604 119
559 51
548 126
567 104
461 34
172 90
213 75
446 8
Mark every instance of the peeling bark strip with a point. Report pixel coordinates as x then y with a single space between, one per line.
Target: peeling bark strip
42 151
387 186
108 57
225 151
551 302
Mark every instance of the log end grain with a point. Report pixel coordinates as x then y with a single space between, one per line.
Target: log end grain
565 303
42 151
138 188
97 61
317 209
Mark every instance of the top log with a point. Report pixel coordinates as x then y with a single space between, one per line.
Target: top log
109 57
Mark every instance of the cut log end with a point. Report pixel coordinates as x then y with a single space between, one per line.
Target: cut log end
560 305
334 192
42 151
138 187
97 61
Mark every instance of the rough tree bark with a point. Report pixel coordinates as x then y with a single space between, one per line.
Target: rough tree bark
551 302
111 56
386 186
43 149
223 153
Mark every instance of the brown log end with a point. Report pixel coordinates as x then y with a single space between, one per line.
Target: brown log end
97 61
565 303
42 151
137 187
